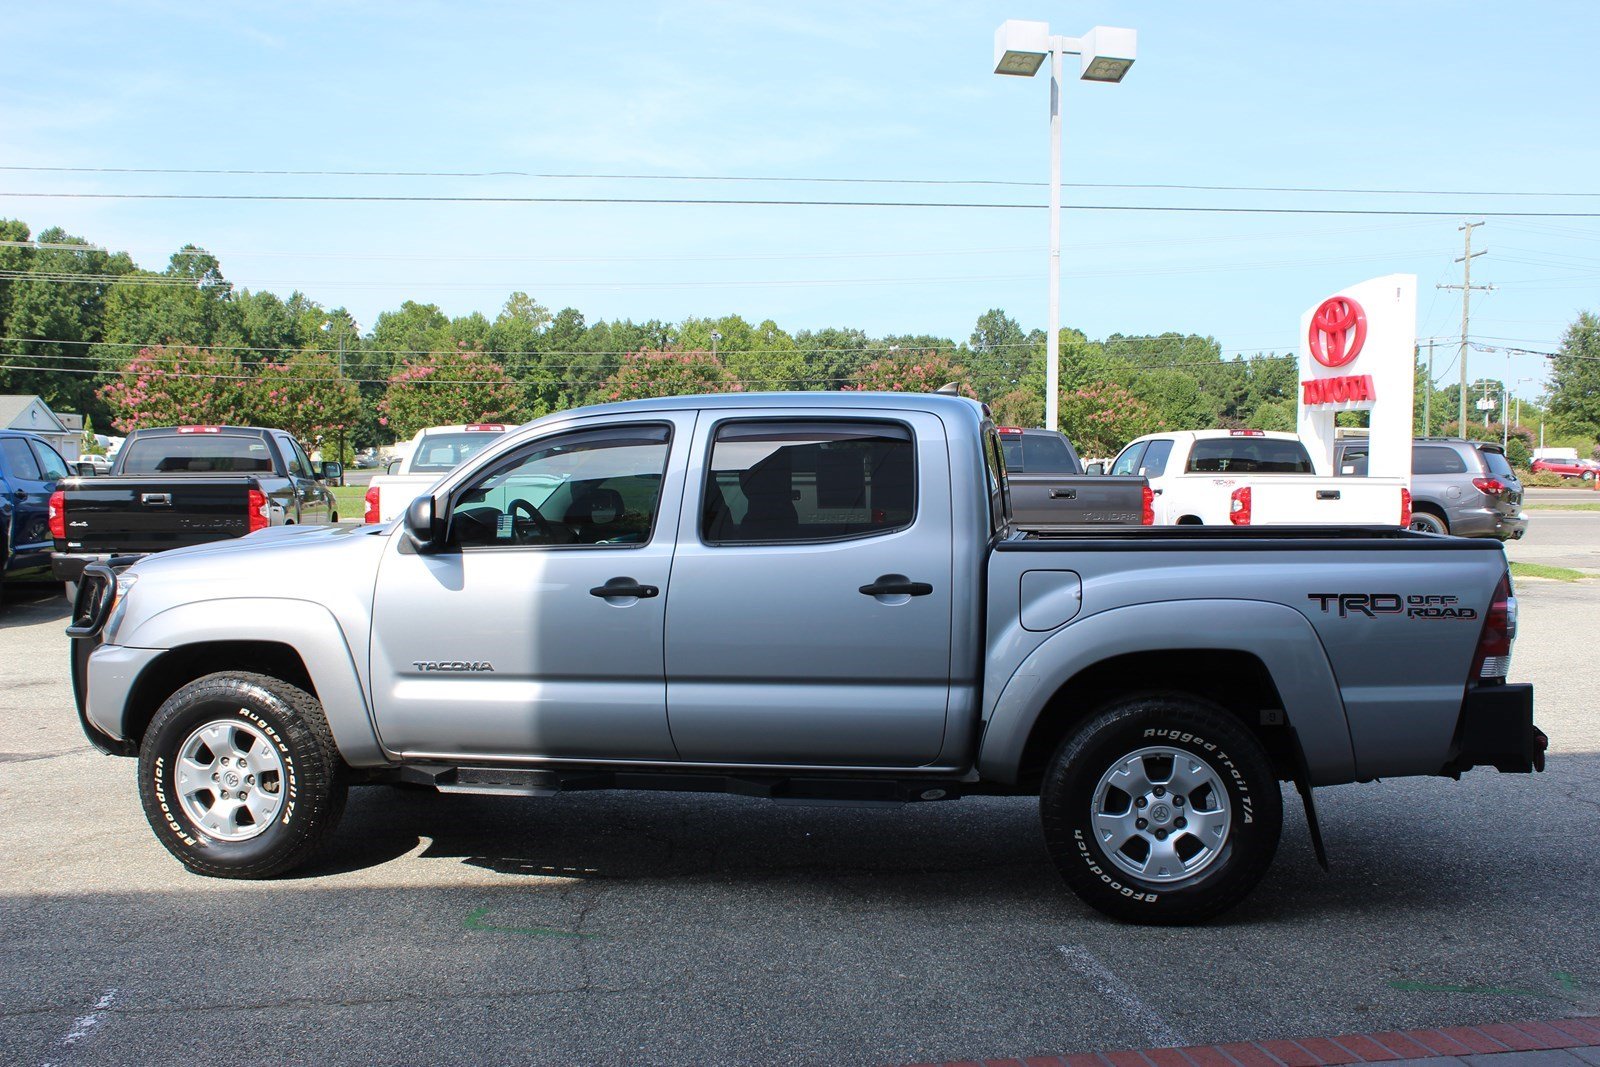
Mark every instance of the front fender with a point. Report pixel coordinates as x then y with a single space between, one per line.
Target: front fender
308 628
1278 636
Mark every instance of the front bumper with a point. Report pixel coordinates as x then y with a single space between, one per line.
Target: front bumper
1496 730
107 671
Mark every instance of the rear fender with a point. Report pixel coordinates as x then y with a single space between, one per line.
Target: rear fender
310 629
1280 637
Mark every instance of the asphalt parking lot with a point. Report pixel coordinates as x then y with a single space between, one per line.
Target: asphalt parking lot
655 928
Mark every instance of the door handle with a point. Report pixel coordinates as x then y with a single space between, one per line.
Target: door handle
896 585
623 587
1327 494
1060 493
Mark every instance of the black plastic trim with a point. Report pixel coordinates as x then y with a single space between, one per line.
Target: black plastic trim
1496 730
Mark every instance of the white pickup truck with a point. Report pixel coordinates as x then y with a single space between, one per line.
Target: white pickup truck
429 456
1254 478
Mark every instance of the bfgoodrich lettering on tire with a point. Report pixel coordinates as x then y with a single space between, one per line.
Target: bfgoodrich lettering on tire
1161 809
239 776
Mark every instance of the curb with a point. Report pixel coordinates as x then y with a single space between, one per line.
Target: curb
1389 1045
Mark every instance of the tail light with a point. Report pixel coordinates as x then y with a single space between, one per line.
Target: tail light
58 515
1147 517
372 504
1492 660
256 511
1405 508
1239 507
1489 486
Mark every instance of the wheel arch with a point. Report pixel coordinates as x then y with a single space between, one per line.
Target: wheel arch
296 641
1247 657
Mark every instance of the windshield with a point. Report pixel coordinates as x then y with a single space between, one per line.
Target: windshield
197 454
439 453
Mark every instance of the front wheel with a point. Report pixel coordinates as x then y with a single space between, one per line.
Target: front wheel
1161 809
1588 476
239 776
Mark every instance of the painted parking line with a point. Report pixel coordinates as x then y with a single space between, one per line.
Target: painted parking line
85 1025
1115 991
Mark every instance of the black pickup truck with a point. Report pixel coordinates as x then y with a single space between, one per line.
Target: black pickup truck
1050 489
186 485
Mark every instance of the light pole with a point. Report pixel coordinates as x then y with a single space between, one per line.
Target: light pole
1106 53
716 335
327 326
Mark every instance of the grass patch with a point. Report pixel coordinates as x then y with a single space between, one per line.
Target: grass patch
1544 570
1561 507
349 500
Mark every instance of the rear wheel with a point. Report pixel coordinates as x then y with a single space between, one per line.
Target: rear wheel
1161 809
239 776
1429 523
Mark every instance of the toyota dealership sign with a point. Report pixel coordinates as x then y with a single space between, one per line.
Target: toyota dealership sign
1357 353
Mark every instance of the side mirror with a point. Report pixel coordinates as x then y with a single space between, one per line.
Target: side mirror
1095 469
85 470
422 525
332 472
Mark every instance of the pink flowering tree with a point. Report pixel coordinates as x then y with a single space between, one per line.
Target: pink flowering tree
179 386
306 396
910 372
651 373
445 388
1102 417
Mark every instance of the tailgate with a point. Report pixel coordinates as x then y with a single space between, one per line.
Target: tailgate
130 515
1042 500
1294 501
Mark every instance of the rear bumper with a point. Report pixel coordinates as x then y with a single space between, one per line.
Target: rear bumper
68 566
1487 522
1496 730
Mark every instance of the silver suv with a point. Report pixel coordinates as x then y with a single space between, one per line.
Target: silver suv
1460 487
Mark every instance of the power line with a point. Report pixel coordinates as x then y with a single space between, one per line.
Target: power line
371 198
782 179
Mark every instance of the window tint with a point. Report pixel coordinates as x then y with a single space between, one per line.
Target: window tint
1248 455
1432 459
297 457
197 454
50 461
1039 453
1154 463
1497 464
19 461
438 453
1353 459
807 481
591 487
1128 462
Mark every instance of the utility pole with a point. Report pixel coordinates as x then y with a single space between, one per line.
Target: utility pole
1427 396
1466 288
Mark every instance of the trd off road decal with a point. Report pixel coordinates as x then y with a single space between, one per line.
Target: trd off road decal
1412 606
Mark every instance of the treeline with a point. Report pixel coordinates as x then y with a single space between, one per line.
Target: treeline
93 333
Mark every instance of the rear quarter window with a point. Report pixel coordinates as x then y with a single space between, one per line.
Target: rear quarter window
1496 462
1432 459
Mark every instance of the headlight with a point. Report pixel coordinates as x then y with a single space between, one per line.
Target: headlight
119 605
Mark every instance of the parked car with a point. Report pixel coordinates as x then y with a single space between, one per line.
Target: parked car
1254 478
187 485
1049 486
430 455
1584 469
30 469
853 616
1461 487
91 463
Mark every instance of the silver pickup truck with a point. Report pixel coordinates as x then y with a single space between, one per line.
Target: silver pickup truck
806 597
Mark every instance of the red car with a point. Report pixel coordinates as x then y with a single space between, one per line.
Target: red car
1568 468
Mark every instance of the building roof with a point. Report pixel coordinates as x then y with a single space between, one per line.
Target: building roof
14 406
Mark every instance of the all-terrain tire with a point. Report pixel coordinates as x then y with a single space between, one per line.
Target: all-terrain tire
1229 826
285 739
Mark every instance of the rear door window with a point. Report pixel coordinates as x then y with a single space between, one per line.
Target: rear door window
798 482
1432 459
50 462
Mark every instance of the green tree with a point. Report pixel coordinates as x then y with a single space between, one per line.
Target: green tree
1574 390
647 374
180 386
1101 418
446 388
1002 356
305 395
911 372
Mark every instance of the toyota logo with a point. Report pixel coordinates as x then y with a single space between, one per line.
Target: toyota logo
1338 330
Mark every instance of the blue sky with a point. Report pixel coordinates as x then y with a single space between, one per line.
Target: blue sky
1422 95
